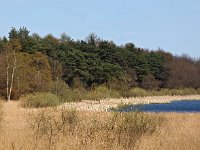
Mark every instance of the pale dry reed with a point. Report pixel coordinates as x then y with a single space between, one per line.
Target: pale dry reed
181 131
52 128
95 130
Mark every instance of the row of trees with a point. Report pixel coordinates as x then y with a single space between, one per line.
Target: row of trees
31 63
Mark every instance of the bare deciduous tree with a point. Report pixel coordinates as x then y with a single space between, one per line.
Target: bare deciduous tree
11 64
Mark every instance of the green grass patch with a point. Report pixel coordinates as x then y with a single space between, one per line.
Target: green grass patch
137 92
101 92
39 100
75 94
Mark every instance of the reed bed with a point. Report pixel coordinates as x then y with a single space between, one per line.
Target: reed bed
54 128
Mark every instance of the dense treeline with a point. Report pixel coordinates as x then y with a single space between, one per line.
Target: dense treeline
31 63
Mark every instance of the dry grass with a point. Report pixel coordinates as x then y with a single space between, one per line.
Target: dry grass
60 129
14 130
181 132
95 130
90 131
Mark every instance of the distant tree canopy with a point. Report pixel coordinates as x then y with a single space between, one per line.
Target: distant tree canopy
94 61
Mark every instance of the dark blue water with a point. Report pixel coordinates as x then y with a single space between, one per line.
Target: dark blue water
174 106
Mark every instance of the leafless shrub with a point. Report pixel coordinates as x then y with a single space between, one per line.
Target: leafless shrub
118 130
45 126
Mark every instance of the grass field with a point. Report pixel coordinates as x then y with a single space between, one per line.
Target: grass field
180 131
89 130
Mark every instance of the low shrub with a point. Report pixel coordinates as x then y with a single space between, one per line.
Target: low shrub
48 126
101 92
38 100
129 127
189 91
198 91
184 91
176 92
137 92
164 92
66 94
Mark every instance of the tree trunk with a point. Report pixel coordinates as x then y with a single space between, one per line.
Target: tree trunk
12 76
7 77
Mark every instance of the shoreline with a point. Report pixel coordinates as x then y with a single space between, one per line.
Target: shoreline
105 104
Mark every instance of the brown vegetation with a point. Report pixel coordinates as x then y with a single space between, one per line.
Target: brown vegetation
121 130
57 129
60 129
181 131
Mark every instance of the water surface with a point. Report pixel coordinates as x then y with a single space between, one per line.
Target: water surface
174 106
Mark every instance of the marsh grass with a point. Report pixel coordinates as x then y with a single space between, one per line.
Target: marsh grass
45 126
101 92
116 130
138 92
181 131
66 94
129 127
184 91
97 130
98 93
39 100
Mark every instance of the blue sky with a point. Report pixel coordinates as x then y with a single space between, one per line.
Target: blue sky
173 25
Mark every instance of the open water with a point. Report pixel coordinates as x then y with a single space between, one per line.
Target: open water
174 106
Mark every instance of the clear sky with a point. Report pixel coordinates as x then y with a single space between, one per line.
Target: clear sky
173 25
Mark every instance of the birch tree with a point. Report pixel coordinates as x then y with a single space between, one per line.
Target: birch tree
11 64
